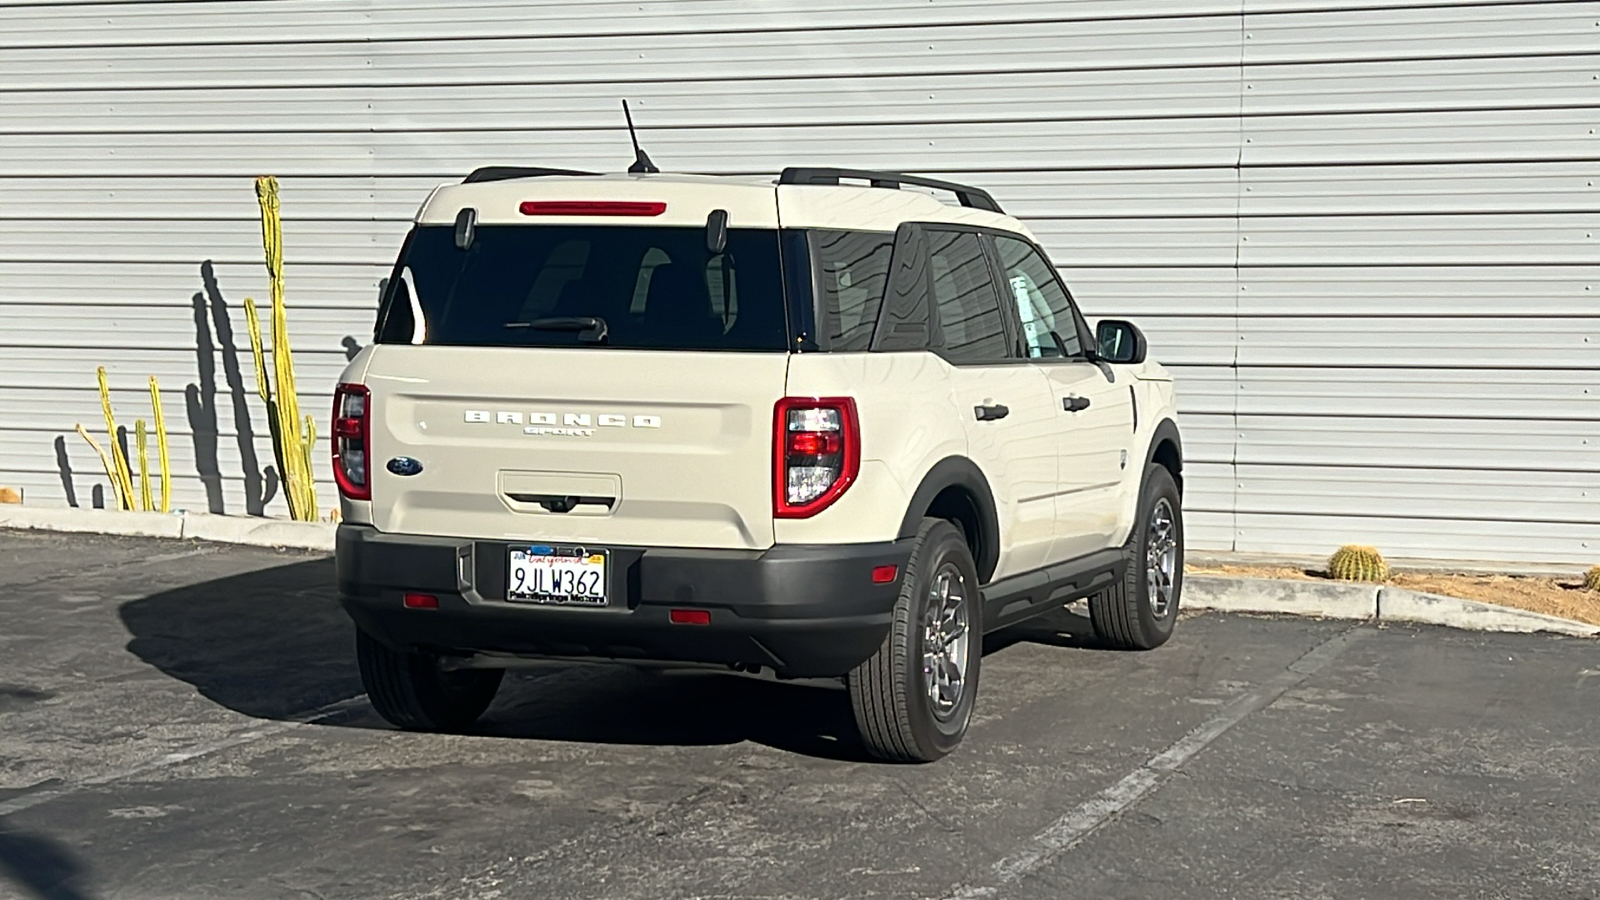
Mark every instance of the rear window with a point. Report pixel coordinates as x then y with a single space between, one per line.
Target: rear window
551 286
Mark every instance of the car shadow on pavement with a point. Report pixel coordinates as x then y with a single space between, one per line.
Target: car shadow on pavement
1064 627
271 643
40 866
274 644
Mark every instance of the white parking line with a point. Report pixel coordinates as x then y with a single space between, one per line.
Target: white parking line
1065 832
253 732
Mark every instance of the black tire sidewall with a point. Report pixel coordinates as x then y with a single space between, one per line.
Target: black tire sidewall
942 542
1158 484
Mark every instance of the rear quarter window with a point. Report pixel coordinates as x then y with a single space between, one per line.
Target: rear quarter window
853 271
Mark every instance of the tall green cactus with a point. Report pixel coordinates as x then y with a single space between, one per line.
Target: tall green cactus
1356 563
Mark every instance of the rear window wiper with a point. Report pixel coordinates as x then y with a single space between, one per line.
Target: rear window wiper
590 329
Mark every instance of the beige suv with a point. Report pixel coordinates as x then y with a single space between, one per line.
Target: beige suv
809 427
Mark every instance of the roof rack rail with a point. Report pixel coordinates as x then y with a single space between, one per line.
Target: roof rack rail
975 198
502 173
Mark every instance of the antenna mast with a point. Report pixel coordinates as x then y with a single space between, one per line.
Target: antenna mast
641 160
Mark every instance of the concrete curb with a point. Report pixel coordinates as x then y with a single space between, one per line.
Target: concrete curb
1401 605
249 530
1324 599
1335 600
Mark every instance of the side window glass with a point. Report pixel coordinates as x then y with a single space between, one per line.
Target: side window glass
1048 328
854 271
964 298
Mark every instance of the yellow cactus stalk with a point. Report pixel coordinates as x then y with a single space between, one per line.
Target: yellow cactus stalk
121 478
291 445
142 440
253 321
1356 563
1591 579
105 461
161 445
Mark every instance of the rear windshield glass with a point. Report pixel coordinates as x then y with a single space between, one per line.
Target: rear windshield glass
565 286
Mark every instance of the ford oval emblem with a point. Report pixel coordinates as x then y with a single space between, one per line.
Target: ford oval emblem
404 465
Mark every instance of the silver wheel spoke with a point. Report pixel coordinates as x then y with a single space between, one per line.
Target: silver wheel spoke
1161 557
946 643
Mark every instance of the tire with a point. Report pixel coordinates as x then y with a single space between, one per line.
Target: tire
1138 613
412 691
893 693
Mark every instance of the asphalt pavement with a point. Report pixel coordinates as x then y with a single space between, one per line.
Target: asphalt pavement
185 720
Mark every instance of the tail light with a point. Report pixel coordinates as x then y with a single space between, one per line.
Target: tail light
352 441
816 449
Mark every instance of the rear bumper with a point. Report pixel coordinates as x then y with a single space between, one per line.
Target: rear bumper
804 611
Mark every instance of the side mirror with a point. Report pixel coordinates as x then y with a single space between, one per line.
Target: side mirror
1117 341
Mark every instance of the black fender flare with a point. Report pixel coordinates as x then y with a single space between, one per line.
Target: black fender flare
959 471
1166 431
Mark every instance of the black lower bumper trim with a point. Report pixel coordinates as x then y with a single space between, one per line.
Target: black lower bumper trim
805 611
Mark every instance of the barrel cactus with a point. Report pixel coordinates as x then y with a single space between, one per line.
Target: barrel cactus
1591 579
1356 563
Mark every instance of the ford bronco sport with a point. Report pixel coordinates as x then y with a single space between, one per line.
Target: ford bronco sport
808 427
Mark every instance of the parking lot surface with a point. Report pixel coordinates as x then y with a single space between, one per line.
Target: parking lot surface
186 720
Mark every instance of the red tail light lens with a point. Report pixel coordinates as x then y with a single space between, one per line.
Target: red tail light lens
816 445
592 207
352 441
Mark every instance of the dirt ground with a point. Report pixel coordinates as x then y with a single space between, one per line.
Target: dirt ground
1564 597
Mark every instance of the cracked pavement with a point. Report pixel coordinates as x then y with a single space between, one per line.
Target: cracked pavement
185 720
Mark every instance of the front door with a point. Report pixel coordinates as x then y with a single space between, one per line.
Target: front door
1092 406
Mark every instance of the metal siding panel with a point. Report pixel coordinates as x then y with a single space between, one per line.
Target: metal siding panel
53 23
1398 447
702 56
998 96
1377 291
1360 233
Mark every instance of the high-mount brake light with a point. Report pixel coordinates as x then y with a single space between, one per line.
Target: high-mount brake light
592 207
352 441
816 453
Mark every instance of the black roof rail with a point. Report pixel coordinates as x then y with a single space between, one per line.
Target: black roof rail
975 198
502 173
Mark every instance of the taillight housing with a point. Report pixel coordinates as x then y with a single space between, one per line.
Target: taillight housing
816 453
352 441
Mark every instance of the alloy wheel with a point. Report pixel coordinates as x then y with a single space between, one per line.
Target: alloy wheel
946 640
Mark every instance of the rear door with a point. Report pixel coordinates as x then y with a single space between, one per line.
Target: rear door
594 384
1004 402
1091 406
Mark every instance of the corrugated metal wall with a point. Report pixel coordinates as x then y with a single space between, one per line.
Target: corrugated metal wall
1363 233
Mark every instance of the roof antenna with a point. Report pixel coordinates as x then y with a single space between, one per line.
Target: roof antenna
641 160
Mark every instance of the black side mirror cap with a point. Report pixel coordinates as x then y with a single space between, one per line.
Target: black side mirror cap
1118 341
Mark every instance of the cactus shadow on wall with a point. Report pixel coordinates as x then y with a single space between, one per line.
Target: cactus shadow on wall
65 466
200 399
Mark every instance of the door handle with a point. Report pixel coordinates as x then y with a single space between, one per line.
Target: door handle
1074 404
990 413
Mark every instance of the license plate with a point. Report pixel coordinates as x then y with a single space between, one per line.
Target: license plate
569 575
